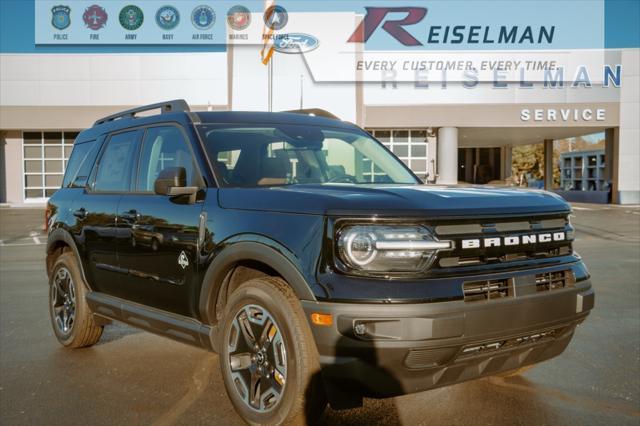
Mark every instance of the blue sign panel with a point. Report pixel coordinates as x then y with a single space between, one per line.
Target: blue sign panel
129 22
384 25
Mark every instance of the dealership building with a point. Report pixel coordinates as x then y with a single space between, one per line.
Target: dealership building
446 131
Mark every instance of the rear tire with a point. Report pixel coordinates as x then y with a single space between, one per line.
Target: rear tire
72 321
266 345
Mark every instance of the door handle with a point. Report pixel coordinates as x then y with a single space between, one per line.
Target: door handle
81 213
131 216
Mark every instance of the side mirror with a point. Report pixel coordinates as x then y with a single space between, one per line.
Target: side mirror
173 177
173 183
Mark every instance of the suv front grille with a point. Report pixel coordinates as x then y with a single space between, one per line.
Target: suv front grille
539 337
505 240
456 261
487 290
554 280
475 291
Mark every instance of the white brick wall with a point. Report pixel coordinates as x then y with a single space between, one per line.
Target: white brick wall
112 79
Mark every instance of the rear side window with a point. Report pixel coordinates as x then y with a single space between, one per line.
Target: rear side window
114 168
80 164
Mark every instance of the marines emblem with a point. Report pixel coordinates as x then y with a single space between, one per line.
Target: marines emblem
239 18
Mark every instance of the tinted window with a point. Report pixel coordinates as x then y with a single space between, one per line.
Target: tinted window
291 154
164 147
80 164
114 168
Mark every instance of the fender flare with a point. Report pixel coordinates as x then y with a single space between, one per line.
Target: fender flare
263 250
61 234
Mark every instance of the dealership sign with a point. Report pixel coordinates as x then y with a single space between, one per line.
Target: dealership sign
375 41
563 114
378 18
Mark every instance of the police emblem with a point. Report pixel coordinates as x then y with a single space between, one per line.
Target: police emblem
61 17
203 17
167 17
239 18
131 17
95 17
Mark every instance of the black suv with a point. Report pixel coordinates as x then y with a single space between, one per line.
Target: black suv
311 259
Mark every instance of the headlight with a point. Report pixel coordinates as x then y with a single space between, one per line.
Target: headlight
387 248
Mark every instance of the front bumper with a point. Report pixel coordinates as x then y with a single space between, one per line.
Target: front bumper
406 348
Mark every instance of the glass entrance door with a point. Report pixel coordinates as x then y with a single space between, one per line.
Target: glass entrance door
479 165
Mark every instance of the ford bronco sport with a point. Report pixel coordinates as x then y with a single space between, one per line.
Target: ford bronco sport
311 259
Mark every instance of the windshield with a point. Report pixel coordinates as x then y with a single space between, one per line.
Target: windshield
283 154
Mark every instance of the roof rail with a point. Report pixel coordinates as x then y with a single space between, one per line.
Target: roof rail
178 105
315 112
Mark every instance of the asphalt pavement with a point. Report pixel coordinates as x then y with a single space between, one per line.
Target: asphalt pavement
135 378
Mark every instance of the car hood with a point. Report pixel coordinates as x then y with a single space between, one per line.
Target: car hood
393 200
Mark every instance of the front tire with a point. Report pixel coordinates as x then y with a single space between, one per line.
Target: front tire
72 321
268 357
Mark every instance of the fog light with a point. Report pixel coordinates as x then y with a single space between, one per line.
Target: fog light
360 329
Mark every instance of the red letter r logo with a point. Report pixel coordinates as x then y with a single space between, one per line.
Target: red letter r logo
375 16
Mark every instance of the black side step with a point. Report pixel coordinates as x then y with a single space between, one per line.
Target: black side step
176 327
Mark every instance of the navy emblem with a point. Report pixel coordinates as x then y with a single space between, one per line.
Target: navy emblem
167 17
203 17
276 17
239 18
61 17
295 43
131 17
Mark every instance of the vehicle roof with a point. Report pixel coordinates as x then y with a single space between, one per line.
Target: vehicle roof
217 117
251 117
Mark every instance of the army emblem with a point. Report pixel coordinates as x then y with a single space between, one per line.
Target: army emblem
131 17
61 17
203 17
167 17
95 17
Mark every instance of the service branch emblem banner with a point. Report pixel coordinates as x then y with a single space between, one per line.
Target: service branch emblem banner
369 41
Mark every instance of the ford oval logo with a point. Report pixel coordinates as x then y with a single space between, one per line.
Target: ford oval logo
295 43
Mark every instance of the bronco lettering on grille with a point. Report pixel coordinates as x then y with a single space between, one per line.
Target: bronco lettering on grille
513 240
